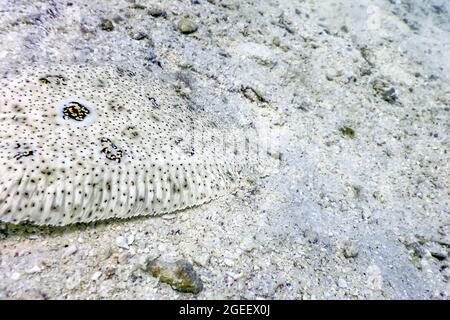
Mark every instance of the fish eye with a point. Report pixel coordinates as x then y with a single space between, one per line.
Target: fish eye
76 111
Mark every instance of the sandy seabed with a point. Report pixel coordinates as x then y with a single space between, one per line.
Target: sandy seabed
357 98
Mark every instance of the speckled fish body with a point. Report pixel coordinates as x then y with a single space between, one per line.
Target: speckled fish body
79 144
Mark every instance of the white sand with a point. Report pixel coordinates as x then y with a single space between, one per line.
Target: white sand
342 217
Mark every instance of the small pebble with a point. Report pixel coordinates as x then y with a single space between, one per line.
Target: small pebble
248 244
276 41
96 276
350 251
386 92
72 282
124 257
311 236
109 271
186 26
130 239
342 283
169 216
438 252
34 269
106 25
138 36
180 275
228 262
15 276
138 6
70 250
121 242
331 74
347 132
156 12
202 259
277 155
389 95
118 19
444 231
153 59
253 94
